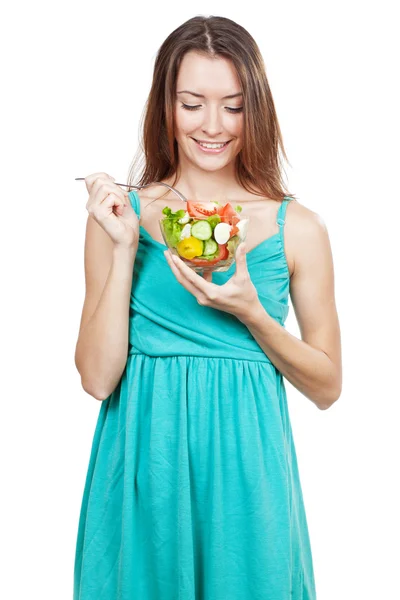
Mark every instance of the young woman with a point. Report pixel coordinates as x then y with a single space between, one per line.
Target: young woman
193 490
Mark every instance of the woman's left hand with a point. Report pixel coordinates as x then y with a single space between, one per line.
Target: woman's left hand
237 296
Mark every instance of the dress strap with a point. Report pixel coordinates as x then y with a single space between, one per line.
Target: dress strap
280 219
135 202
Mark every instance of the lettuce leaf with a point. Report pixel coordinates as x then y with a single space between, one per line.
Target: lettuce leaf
172 228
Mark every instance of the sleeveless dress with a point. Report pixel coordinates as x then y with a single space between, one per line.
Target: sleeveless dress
193 490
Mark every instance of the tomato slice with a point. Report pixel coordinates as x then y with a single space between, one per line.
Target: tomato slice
229 214
206 209
201 209
223 254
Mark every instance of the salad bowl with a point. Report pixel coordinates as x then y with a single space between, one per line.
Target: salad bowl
205 235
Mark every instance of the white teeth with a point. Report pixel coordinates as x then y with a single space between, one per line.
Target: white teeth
212 145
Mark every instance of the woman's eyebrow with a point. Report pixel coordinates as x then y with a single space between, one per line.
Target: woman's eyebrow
201 95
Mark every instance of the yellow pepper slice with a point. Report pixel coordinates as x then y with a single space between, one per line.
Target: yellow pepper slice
190 247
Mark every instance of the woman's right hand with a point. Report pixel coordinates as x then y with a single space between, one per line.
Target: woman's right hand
109 205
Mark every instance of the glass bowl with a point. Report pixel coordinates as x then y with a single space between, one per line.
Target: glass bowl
194 241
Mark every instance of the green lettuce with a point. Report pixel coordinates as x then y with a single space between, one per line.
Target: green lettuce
213 220
172 228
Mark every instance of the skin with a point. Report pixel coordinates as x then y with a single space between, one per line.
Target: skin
204 176
312 364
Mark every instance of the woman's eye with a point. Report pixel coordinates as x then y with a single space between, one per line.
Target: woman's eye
234 110
189 107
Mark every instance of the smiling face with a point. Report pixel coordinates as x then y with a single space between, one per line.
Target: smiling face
208 115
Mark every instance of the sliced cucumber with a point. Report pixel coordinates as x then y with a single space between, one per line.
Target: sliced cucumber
210 247
201 230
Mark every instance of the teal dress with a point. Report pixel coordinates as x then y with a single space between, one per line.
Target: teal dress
193 490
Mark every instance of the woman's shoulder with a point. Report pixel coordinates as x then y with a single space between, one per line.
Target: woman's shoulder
302 219
305 231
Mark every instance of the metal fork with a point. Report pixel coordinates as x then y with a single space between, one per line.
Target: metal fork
139 187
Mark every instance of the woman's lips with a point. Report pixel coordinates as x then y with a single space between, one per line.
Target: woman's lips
211 150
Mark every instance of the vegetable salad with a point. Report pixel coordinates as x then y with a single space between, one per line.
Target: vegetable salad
206 232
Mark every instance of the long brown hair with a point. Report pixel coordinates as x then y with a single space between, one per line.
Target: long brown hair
258 164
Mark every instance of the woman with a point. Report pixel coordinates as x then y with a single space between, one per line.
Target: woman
193 490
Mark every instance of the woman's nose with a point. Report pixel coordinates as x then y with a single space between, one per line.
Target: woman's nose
211 124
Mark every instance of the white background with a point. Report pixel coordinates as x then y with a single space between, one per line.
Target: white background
75 80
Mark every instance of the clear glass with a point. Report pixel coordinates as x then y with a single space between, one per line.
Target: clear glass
187 251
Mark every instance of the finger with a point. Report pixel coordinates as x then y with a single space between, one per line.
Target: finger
113 202
90 179
201 284
109 188
96 185
99 182
106 202
105 190
187 284
241 260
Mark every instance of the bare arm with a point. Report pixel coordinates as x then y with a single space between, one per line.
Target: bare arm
102 346
312 364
